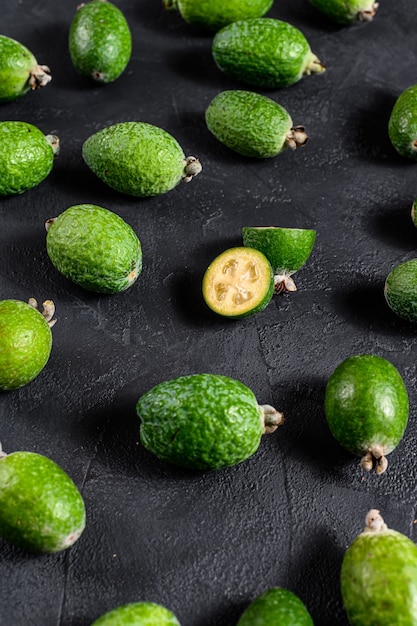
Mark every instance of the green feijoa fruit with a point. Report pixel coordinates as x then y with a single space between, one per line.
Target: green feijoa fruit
94 248
204 421
252 124
347 11
287 250
238 282
26 157
366 408
138 614
414 212
265 52
41 508
19 70
276 607
214 14
25 341
400 290
138 159
402 124
100 42
379 576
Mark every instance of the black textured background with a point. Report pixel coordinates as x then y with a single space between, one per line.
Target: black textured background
206 544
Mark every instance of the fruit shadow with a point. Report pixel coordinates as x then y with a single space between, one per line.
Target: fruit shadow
392 224
196 64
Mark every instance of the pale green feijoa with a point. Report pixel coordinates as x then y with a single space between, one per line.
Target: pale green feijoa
287 250
94 248
238 282
366 408
276 607
378 578
252 124
19 70
25 341
100 42
402 124
138 614
347 11
265 52
26 156
400 290
41 509
204 421
138 159
214 14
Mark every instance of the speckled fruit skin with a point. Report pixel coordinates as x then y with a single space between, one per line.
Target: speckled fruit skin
276 607
16 64
202 421
214 14
94 248
100 42
25 344
345 11
41 508
138 614
400 290
287 249
402 124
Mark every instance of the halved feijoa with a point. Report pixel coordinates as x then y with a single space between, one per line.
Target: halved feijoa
402 124
238 282
138 614
19 70
400 290
276 607
214 14
366 408
347 11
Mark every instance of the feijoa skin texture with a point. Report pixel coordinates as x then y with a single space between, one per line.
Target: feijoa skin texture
41 509
138 614
94 248
379 577
264 52
400 290
214 14
138 159
276 607
402 124
203 421
19 70
366 407
100 42
347 11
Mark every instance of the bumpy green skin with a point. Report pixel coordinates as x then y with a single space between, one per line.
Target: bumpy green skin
95 248
41 508
344 11
276 607
366 404
214 14
100 42
25 344
202 421
26 157
248 123
287 249
400 290
138 614
402 124
16 64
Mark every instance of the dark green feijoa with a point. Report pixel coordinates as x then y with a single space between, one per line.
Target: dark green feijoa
41 508
214 14
26 157
100 42
252 124
138 159
19 70
25 341
204 421
347 11
379 576
138 614
94 248
402 124
264 52
366 408
400 290
276 607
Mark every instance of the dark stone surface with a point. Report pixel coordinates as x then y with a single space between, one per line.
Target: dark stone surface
205 544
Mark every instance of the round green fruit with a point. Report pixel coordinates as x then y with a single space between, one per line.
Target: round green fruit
366 407
94 248
264 52
402 124
214 14
204 421
138 614
276 607
400 290
379 577
347 11
41 509
138 159
100 42
19 70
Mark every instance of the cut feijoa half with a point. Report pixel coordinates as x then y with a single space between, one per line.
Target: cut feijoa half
276 607
19 70
138 614
400 290
214 14
402 124
347 11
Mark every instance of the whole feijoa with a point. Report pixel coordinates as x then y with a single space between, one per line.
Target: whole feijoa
252 124
347 11
214 14
366 408
94 248
264 52
378 578
138 159
400 290
25 341
402 124
19 70
276 607
138 614
26 156
100 41
41 509
203 421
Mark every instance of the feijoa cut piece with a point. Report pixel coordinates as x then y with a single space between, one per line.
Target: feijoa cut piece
347 11
41 508
276 607
252 124
287 250
402 124
138 159
264 52
19 70
379 576
214 14
138 614
366 408
400 290
238 282
100 41
204 421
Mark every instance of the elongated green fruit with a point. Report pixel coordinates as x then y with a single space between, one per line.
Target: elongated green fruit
400 290
19 70
276 607
402 124
347 11
214 14
138 614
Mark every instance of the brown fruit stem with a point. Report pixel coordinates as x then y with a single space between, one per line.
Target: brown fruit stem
192 167
374 522
53 141
39 76
283 282
374 457
271 418
170 5
296 137
314 66
367 15
48 310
